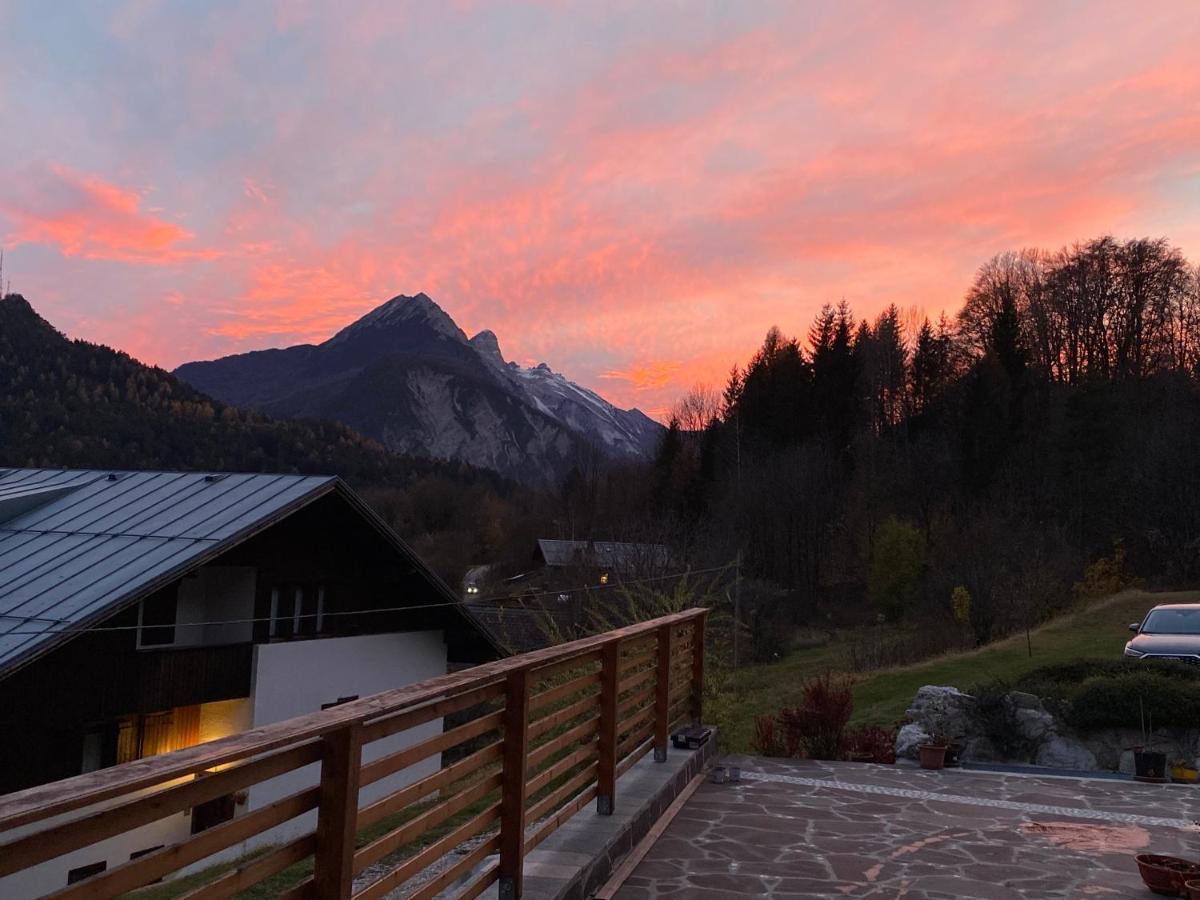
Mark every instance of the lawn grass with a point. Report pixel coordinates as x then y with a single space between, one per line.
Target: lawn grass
1098 629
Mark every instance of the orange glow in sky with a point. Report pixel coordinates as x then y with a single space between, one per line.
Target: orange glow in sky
633 193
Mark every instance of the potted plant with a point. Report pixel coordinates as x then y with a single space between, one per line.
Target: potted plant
1148 764
1183 772
933 754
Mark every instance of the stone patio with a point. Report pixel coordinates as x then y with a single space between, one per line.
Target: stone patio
811 829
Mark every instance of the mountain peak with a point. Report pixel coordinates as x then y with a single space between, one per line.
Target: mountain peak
401 310
488 346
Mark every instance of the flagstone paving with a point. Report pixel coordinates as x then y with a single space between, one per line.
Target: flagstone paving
813 829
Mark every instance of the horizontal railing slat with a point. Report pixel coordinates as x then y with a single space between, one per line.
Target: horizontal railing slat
636 681
558 795
404 871
406 796
427 712
251 873
409 831
566 714
402 759
561 767
553 823
438 884
67 836
553 695
152 866
558 742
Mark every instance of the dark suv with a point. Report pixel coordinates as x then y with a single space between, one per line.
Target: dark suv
1168 632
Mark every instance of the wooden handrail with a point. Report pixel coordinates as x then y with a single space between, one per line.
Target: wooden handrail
560 746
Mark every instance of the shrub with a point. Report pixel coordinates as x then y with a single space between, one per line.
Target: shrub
1132 699
960 605
878 742
1105 576
897 560
817 726
1098 693
999 721
768 741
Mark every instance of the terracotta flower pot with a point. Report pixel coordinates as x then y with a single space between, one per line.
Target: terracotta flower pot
1193 889
933 756
1166 874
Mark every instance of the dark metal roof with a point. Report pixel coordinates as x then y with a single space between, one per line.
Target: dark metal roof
76 545
518 630
615 555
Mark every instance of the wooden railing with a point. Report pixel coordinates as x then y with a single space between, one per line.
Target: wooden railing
529 742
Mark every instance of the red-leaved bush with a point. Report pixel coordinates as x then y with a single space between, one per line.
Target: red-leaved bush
816 729
874 741
768 741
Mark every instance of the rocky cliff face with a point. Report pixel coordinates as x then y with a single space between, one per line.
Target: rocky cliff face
407 375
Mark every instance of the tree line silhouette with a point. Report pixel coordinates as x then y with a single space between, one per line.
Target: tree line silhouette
999 452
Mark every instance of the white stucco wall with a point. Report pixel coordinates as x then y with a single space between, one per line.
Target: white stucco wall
297 677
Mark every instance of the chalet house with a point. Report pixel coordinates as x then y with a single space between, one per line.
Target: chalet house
143 612
548 603
603 559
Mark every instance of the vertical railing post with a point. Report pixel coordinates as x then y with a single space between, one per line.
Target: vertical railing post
606 769
698 668
662 693
513 788
337 813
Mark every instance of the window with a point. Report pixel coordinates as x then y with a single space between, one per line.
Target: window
77 875
156 620
212 813
297 610
160 732
99 748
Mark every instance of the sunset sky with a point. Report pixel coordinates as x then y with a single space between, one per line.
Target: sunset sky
630 192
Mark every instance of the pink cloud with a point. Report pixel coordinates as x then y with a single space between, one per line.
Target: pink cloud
639 219
642 376
86 216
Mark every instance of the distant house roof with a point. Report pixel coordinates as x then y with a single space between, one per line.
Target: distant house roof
78 545
620 557
520 630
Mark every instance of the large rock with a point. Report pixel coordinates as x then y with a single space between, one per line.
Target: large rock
1034 725
943 710
1065 753
908 739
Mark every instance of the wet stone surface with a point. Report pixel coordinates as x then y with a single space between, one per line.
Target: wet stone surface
811 829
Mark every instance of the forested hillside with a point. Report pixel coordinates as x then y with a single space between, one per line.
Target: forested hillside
967 476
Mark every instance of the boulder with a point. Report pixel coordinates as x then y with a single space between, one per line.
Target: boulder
940 710
1065 753
1034 725
908 739
1022 700
979 749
